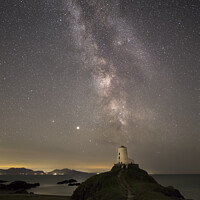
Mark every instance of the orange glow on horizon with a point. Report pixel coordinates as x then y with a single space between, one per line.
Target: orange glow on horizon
84 168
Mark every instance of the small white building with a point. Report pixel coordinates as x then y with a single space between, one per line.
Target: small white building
122 157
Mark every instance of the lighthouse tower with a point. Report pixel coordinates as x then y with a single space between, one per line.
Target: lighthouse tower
122 157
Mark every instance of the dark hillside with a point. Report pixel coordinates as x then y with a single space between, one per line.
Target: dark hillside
124 183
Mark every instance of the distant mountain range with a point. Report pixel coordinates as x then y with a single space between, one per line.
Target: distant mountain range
24 171
68 172
20 171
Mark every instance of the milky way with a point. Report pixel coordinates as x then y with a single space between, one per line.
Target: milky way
101 42
78 78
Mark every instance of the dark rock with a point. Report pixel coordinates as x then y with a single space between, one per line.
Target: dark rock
169 191
1 181
73 184
18 185
2 187
21 192
22 185
67 181
35 185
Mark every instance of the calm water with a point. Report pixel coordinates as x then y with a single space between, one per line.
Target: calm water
188 185
48 183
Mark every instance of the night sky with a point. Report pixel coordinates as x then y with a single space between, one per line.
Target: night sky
78 78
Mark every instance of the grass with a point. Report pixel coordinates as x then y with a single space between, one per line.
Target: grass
31 197
103 186
144 186
113 185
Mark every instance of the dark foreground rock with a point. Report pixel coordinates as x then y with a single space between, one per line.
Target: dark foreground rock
67 181
169 191
31 197
73 184
1 181
122 183
18 185
21 192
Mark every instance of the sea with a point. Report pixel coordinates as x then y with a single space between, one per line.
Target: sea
187 184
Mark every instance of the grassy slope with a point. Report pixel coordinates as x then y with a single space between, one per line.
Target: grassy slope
109 186
101 187
142 185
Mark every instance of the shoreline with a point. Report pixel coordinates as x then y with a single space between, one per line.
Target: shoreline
7 196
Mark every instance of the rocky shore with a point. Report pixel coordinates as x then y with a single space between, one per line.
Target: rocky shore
17 187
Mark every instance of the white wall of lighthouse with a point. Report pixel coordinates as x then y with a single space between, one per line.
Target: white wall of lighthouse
122 156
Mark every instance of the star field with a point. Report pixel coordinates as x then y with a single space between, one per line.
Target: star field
79 78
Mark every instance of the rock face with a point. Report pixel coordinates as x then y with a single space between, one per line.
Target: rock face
73 184
67 181
70 182
18 185
122 183
1 181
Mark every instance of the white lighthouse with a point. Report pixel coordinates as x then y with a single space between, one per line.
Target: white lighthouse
122 157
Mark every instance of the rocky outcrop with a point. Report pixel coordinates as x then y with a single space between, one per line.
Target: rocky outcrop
169 191
18 185
123 183
67 181
1 181
73 184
